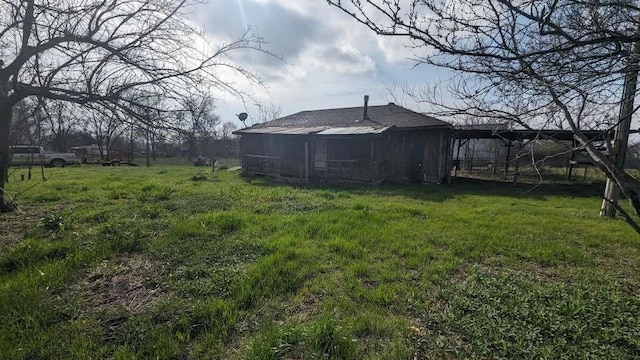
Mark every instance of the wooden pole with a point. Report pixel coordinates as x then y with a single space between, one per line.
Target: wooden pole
570 168
516 172
621 137
506 160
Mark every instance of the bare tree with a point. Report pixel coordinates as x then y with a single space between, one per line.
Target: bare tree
227 130
60 121
24 129
101 52
268 112
198 123
398 94
107 128
526 62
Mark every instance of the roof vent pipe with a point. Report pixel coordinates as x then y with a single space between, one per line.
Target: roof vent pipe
365 116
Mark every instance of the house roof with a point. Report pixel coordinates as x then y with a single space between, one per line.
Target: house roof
316 130
281 130
343 121
355 130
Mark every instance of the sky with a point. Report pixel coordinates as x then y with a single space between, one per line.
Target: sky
328 59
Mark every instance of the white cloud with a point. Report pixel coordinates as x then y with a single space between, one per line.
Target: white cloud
342 59
395 50
331 60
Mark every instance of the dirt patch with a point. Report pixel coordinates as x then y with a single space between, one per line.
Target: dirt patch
15 224
308 308
498 265
131 283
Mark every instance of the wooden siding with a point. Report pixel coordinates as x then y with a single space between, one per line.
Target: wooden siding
396 156
349 158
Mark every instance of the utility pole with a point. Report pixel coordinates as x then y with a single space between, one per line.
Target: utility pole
621 137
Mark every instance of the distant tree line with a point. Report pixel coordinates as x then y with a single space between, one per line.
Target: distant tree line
196 130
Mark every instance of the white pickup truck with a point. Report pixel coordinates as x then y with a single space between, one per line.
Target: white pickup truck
35 155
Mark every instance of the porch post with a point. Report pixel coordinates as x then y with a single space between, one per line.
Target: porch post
371 159
306 161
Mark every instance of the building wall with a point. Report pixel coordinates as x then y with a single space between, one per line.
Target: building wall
292 156
260 154
349 158
420 156
396 156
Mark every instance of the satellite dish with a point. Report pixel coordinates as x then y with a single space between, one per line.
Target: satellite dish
242 116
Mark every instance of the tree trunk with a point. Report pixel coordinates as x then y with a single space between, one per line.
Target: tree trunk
6 113
627 185
131 144
147 148
153 146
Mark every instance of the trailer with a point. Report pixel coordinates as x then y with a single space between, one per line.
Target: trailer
91 154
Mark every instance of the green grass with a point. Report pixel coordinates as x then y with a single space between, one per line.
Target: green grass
177 262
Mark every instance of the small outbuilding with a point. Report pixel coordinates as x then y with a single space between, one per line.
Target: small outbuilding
358 144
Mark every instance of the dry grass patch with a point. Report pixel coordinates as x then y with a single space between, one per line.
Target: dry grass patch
15 225
129 283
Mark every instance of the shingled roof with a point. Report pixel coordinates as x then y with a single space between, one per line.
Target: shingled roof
378 117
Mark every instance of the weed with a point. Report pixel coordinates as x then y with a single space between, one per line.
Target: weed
227 222
122 238
214 317
154 192
359 206
280 274
53 222
31 253
276 343
332 339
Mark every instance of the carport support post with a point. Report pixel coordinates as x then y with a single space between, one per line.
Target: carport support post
495 162
517 164
455 173
570 167
506 159
573 157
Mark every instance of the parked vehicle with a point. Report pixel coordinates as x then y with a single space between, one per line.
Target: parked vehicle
201 161
35 155
91 154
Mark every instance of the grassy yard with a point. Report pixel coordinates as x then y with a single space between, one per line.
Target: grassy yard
176 262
